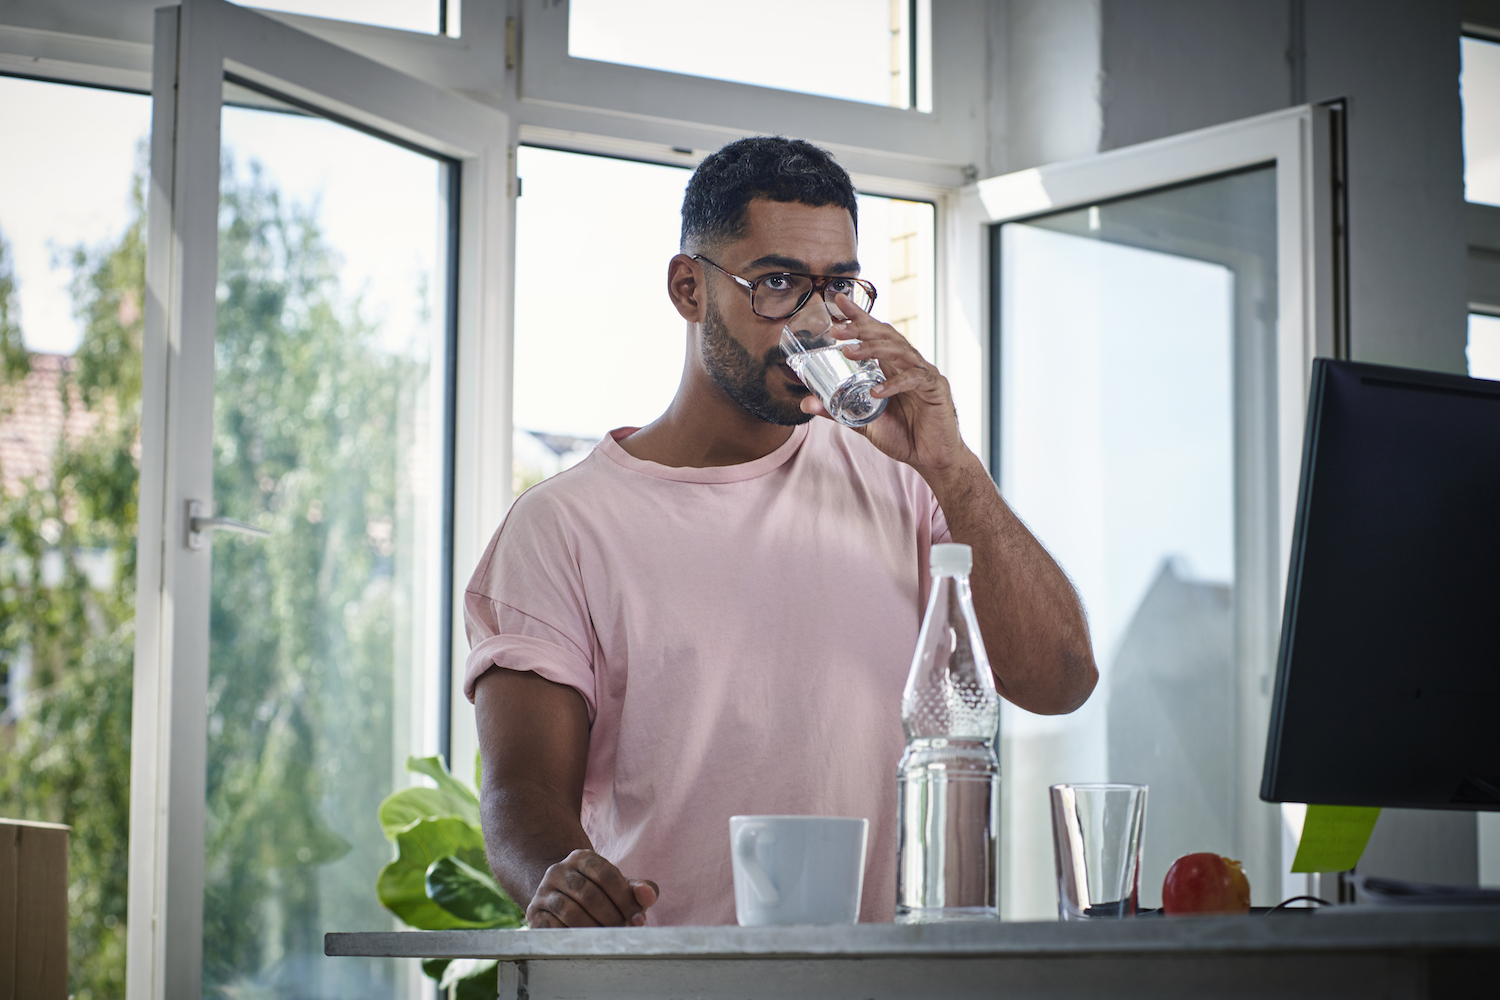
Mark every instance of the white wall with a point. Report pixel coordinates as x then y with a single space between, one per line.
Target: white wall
1045 81
1174 65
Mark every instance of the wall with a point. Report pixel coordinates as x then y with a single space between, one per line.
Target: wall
1174 65
1045 106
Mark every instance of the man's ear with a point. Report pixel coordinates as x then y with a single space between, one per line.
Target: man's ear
685 287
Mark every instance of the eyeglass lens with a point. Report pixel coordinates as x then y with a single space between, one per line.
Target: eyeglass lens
781 295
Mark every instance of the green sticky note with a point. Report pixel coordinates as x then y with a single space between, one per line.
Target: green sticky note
1333 837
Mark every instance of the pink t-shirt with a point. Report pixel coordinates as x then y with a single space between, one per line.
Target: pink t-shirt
741 635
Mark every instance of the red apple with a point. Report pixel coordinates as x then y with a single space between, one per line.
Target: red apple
1205 883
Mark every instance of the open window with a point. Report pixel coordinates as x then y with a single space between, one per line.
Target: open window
1153 314
323 364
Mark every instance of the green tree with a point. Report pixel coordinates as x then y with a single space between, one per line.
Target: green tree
69 758
308 433
313 427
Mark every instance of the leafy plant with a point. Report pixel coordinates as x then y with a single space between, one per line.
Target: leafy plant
439 879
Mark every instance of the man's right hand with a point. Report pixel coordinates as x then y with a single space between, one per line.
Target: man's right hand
585 890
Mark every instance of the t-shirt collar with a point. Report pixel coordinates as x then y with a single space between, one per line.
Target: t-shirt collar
610 448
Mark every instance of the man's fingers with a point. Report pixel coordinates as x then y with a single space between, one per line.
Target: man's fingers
646 891
848 308
565 910
585 890
892 352
539 919
906 381
593 900
615 886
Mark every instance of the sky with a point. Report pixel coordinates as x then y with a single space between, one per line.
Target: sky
1480 84
838 48
75 189
379 206
64 181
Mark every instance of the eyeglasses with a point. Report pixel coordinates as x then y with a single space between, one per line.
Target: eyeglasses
780 295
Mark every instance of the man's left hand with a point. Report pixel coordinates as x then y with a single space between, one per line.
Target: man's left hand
919 425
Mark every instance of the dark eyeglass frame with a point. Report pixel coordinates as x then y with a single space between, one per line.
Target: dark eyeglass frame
820 283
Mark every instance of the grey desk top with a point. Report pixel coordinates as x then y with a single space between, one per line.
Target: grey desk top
1339 929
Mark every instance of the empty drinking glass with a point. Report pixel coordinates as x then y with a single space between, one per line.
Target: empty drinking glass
1096 838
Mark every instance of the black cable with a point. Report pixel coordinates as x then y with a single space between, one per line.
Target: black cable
1297 899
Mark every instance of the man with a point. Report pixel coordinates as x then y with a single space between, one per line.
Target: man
714 614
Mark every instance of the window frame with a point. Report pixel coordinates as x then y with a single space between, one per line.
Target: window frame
1302 143
195 47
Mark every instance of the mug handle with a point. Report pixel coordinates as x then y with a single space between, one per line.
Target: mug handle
745 843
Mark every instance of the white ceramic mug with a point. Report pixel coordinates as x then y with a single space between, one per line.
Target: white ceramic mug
797 869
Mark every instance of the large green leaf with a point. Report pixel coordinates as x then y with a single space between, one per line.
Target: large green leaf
470 894
434 768
402 884
401 809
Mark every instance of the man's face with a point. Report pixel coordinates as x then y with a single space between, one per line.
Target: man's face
740 349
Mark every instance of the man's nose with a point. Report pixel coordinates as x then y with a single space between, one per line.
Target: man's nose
814 319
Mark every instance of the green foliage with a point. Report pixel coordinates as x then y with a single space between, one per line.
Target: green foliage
440 879
469 893
15 363
303 627
300 648
67 758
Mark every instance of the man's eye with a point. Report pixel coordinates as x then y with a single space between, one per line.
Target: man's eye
842 286
777 283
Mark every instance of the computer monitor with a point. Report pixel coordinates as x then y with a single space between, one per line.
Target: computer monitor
1388 679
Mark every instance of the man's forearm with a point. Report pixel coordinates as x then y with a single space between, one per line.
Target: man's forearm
1029 614
526 831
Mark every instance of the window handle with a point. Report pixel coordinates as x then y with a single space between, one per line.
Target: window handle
197 524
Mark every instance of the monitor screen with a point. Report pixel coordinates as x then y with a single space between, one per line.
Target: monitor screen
1388 679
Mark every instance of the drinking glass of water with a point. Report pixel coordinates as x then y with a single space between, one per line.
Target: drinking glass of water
842 383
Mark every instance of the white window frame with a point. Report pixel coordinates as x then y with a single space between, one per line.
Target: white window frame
1299 142
195 45
585 95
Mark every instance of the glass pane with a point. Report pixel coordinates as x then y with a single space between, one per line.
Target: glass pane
409 15
72 265
1128 331
1479 85
1484 346
858 50
632 342
328 431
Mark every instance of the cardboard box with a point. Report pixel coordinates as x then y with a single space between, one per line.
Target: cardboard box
33 911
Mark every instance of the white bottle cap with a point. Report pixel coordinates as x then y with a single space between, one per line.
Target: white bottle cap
951 559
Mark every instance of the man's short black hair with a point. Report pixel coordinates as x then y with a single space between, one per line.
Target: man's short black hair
763 166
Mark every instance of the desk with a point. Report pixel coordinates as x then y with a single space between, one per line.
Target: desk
1444 954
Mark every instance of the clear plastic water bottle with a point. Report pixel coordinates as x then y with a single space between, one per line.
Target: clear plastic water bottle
947 865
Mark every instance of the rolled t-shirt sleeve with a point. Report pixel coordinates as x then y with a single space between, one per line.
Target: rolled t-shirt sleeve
525 608
939 525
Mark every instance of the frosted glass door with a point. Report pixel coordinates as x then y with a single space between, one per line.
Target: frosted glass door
1133 336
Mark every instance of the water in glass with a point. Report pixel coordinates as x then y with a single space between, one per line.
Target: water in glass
842 383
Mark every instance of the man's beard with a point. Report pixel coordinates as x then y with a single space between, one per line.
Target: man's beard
743 378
